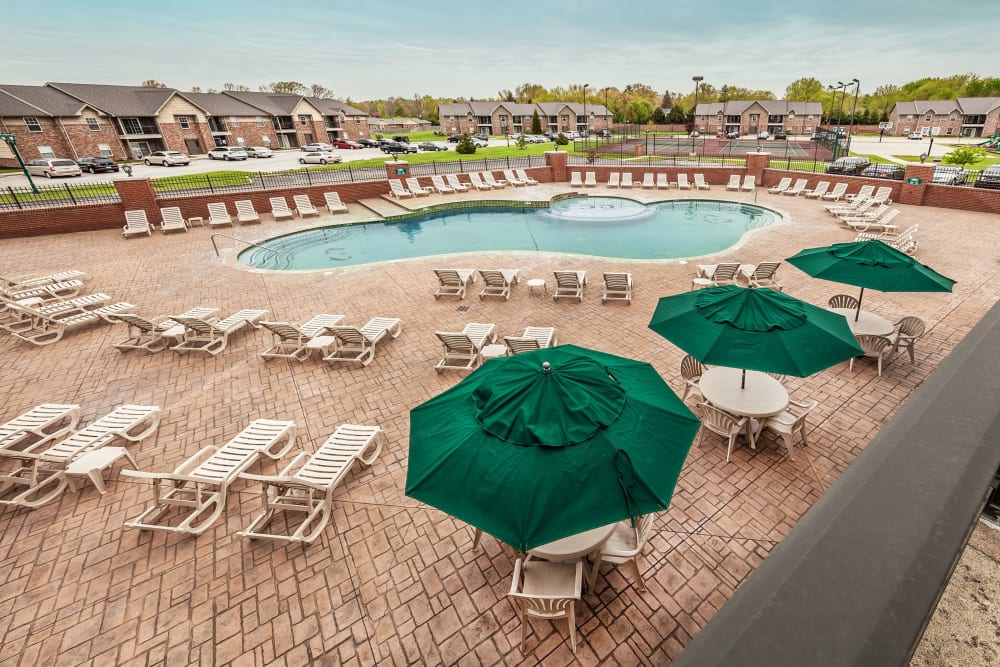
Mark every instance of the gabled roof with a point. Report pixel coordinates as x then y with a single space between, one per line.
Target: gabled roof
772 107
331 107
273 104
217 104
517 108
551 108
118 100
578 108
453 109
978 106
920 107
483 108
37 101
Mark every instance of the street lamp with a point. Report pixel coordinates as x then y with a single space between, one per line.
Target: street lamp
587 132
854 107
605 112
725 93
628 89
694 112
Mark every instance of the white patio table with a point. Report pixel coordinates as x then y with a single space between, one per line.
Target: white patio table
867 322
577 546
763 396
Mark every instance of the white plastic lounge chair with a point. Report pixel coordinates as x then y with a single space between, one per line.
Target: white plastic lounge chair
575 179
523 175
869 212
245 212
749 183
882 195
647 181
40 476
358 345
279 209
836 194
495 183
533 338
21 316
304 206
512 178
590 179
172 220
136 223
723 273
397 190
199 485
414 186
627 180
761 275
614 179
570 284
441 187
617 287
498 282
478 183
865 192
818 191
306 484
154 334
881 222
682 182
462 349
797 189
65 289
293 341
26 283
782 185
45 329
699 182
734 182
849 208
453 282
456 184
661 182
218 215
333 202
211 335
902 241
37 427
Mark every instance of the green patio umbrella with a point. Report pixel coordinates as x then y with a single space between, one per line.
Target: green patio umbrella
870 264
756 329
546 444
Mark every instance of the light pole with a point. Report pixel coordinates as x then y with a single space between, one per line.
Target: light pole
628 89
694 112
725 93
587 130
854 108
606 112
833 104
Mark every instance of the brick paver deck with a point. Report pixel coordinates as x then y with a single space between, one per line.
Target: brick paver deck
392 581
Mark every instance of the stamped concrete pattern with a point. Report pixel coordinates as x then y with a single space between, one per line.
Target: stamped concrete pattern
392 581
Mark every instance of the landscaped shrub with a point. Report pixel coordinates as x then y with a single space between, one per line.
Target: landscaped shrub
465 145
561 140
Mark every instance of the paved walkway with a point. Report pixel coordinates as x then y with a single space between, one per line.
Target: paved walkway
392 581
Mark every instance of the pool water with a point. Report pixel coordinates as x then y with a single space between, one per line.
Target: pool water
599 226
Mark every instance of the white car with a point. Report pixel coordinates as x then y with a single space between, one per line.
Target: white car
764 135
316 147
318 157
166 158
259 151
915 135
53 167
480 143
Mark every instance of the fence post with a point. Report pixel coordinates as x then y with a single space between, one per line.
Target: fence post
308 176
209 181
350 172
69 191
14 197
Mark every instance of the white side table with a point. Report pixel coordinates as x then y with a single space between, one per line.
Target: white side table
698 283
493 352
196 220
321 343
536 283
94 462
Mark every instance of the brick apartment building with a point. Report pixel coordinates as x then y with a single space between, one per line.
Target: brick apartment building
73 120
753 116
513 118
964 116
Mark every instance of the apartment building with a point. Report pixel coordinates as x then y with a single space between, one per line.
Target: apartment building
961 117
753 116
512 118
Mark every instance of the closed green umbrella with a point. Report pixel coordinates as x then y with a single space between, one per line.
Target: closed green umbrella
546 444
756 329
870 264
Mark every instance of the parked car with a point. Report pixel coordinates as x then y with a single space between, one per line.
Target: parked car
480 142
259 151
780 134
349 145
317 146
989 178
604 134
764 135
734 134
431 146
53 168
949 175
227 153
319 157
397 147
848 165
882 170
454 138
96 164
167 158
368 143
401 138
536 139
915 135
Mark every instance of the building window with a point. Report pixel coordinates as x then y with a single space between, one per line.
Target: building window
33 124
240 141
184 122
92 124
357 119
104 150
928 117
503 119
452 119
46 152
303 120
910 117
266 139
949 130
131 126
809 118
953 117
260 121
234 121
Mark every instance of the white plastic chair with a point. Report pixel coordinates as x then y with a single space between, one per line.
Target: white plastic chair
721 423
691 372
789 422
908 331
878 347
626 543
218 215
547 590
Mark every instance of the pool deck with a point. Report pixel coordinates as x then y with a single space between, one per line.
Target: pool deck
392 581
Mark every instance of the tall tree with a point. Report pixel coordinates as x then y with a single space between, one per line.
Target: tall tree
806 89
676 115
506 96
288 87
316 90
195 89
659 117
529 92
152 83
666 101
236 87
536 123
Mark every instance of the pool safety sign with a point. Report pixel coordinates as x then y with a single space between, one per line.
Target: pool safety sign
400 171
914 181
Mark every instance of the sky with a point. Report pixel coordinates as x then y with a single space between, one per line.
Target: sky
377 48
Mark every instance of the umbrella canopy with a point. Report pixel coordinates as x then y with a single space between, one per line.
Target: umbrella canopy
546 444
756 329
871 264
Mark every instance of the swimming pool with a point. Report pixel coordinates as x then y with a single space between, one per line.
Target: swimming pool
599 226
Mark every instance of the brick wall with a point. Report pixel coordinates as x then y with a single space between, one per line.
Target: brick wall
40 222
965 198
28 142
85 141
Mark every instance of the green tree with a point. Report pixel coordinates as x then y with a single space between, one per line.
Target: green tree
976 87
963 155
536 123
522 142
152 83
287 87
806 89
561 140
639 111
316 90
676 115
659 117
235 87
465 145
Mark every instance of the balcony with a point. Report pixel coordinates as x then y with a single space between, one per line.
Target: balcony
139 128
217 126
283 124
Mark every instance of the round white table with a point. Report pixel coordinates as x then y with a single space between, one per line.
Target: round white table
867 322
578 546
762 397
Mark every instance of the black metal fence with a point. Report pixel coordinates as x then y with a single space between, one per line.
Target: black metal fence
240 181
620 160
481 164
52 196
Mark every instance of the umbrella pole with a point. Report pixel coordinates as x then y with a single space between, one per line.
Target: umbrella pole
857 313
743 380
